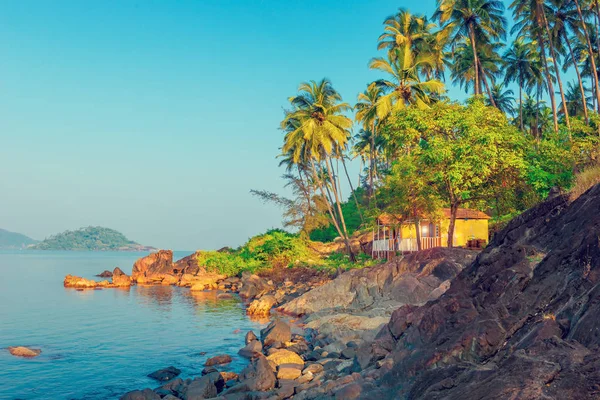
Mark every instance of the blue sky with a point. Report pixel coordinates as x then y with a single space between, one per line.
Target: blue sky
156 118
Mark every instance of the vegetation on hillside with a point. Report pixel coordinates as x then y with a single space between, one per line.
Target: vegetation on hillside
92 238
275 248
420 150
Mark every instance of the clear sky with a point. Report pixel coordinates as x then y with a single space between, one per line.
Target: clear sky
156 118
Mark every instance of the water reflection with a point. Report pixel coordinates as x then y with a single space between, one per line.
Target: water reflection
158 296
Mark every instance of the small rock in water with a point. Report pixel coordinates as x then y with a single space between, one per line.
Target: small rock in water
250 336
22 351
105 274
209 370
217 360
165 374
146 394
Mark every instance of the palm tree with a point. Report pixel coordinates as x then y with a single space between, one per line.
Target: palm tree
583 24
475 20
316 130
366 113
462 69
530 19
404 87
575 105
564 17
503 99
522 66
404 29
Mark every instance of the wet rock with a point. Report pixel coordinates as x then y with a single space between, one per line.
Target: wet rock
165 374
72 281
229 376
120 279
262 306
205 387
174 386
252 349
105 274
276 331
22 351
286 357
209 370
250 336
349 392
146 394
218 360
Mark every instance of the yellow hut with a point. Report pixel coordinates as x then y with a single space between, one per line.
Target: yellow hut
395 234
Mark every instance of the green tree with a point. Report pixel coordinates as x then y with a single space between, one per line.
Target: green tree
320 129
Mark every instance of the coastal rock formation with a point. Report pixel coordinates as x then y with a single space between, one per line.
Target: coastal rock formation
145 394
358 302
153 267
72 281
520 322
217 360
206 281
105 274
262 306
120 279
22 351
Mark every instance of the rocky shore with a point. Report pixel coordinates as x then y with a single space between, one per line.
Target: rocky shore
517 320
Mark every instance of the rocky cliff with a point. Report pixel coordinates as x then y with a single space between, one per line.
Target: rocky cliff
520 322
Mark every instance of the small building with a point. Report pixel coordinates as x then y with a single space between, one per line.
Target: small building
395 234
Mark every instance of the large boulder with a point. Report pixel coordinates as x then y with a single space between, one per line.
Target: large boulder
218 360
119 278
165 374
253 286
152 267
519 322
206 280
205 387
262 307
286 357
22 351
276 331
72 281
146 394
258 375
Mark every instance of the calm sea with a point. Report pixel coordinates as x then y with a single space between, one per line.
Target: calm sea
98 344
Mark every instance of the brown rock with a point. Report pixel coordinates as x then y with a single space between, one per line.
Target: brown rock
258 375
276 331
349 392
72 281
218 360
165 374
22 351
289 371
105 274
286 357
119 278
146 394
250 336
262 306
205 387
229 376
148 267
252 349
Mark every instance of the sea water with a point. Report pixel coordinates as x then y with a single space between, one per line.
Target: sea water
99 344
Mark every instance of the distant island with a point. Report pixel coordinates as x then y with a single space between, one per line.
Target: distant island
13 240
91 238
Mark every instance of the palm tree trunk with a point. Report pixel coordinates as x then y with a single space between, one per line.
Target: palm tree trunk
341 215
521 105
352 189
581 89
591 51
475 58
549 79
329 207
372 161
557 71
487 87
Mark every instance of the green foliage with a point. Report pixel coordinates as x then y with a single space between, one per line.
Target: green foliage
275 248
92 238
351 216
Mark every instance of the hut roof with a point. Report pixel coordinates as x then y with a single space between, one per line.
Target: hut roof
462 213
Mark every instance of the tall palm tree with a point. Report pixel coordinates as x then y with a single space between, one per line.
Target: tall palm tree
474 20
564 18
530 20
404 86
366 114
503 99
575 105
522 67
463 71
318 130
405 29
588 41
